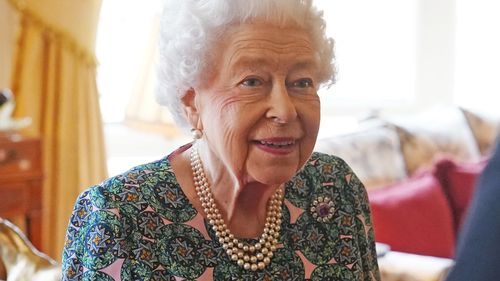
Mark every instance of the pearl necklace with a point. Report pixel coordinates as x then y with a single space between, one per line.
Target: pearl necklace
250 257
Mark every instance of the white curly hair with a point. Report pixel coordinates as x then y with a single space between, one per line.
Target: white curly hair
190 30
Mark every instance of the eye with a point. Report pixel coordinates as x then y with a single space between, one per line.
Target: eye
303 83
251 82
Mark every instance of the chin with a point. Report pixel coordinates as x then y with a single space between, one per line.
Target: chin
274 178
273 171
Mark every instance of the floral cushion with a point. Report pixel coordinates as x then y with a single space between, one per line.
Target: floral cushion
484 128
373 153
438 131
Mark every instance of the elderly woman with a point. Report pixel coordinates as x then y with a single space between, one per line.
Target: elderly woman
247 199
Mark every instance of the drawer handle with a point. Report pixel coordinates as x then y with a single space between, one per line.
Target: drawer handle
7 156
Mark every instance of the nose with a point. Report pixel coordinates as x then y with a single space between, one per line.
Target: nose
282 108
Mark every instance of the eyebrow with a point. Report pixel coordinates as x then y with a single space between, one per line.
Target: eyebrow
250 63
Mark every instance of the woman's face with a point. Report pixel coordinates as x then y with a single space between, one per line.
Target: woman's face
260 111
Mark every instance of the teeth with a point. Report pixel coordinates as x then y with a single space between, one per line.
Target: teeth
277 144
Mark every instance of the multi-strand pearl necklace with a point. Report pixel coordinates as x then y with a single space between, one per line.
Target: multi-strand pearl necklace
250 257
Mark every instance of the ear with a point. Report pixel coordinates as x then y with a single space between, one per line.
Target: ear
191 109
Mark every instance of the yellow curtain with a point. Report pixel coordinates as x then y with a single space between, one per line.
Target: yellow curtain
54 82
7 30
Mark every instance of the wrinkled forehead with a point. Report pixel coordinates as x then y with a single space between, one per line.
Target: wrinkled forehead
260 31
256 44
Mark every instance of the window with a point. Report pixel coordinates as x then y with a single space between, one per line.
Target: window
123 45
375 50
477 55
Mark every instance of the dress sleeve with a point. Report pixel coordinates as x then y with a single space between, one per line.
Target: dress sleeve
365 233
92 238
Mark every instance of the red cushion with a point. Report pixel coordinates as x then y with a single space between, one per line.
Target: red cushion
458 181
414 216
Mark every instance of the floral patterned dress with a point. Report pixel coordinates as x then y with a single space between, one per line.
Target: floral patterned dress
141 226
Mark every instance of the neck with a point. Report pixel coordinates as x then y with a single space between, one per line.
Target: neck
243 204
246 214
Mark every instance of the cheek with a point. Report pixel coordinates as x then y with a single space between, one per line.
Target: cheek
309 111
227 122
217 113
234 113
310 116
219 119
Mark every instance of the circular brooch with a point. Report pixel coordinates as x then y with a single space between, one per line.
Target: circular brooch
322 209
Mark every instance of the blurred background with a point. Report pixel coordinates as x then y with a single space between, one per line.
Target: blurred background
84 72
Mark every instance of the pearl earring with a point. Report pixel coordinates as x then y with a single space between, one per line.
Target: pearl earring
197 133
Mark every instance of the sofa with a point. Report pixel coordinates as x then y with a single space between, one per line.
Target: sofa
420 171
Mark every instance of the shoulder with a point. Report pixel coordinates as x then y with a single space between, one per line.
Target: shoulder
329 176
132 186
126 188
327 158
146 190
323 174
125 195
326 167
141 174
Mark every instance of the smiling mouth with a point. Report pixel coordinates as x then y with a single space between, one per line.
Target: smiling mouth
276 144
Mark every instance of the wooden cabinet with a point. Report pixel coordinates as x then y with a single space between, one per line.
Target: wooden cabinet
21 183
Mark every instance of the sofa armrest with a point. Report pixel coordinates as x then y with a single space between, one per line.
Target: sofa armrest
398 266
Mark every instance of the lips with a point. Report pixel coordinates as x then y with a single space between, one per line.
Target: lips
277 146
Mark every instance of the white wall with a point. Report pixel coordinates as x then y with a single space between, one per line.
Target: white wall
436 29
477 72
